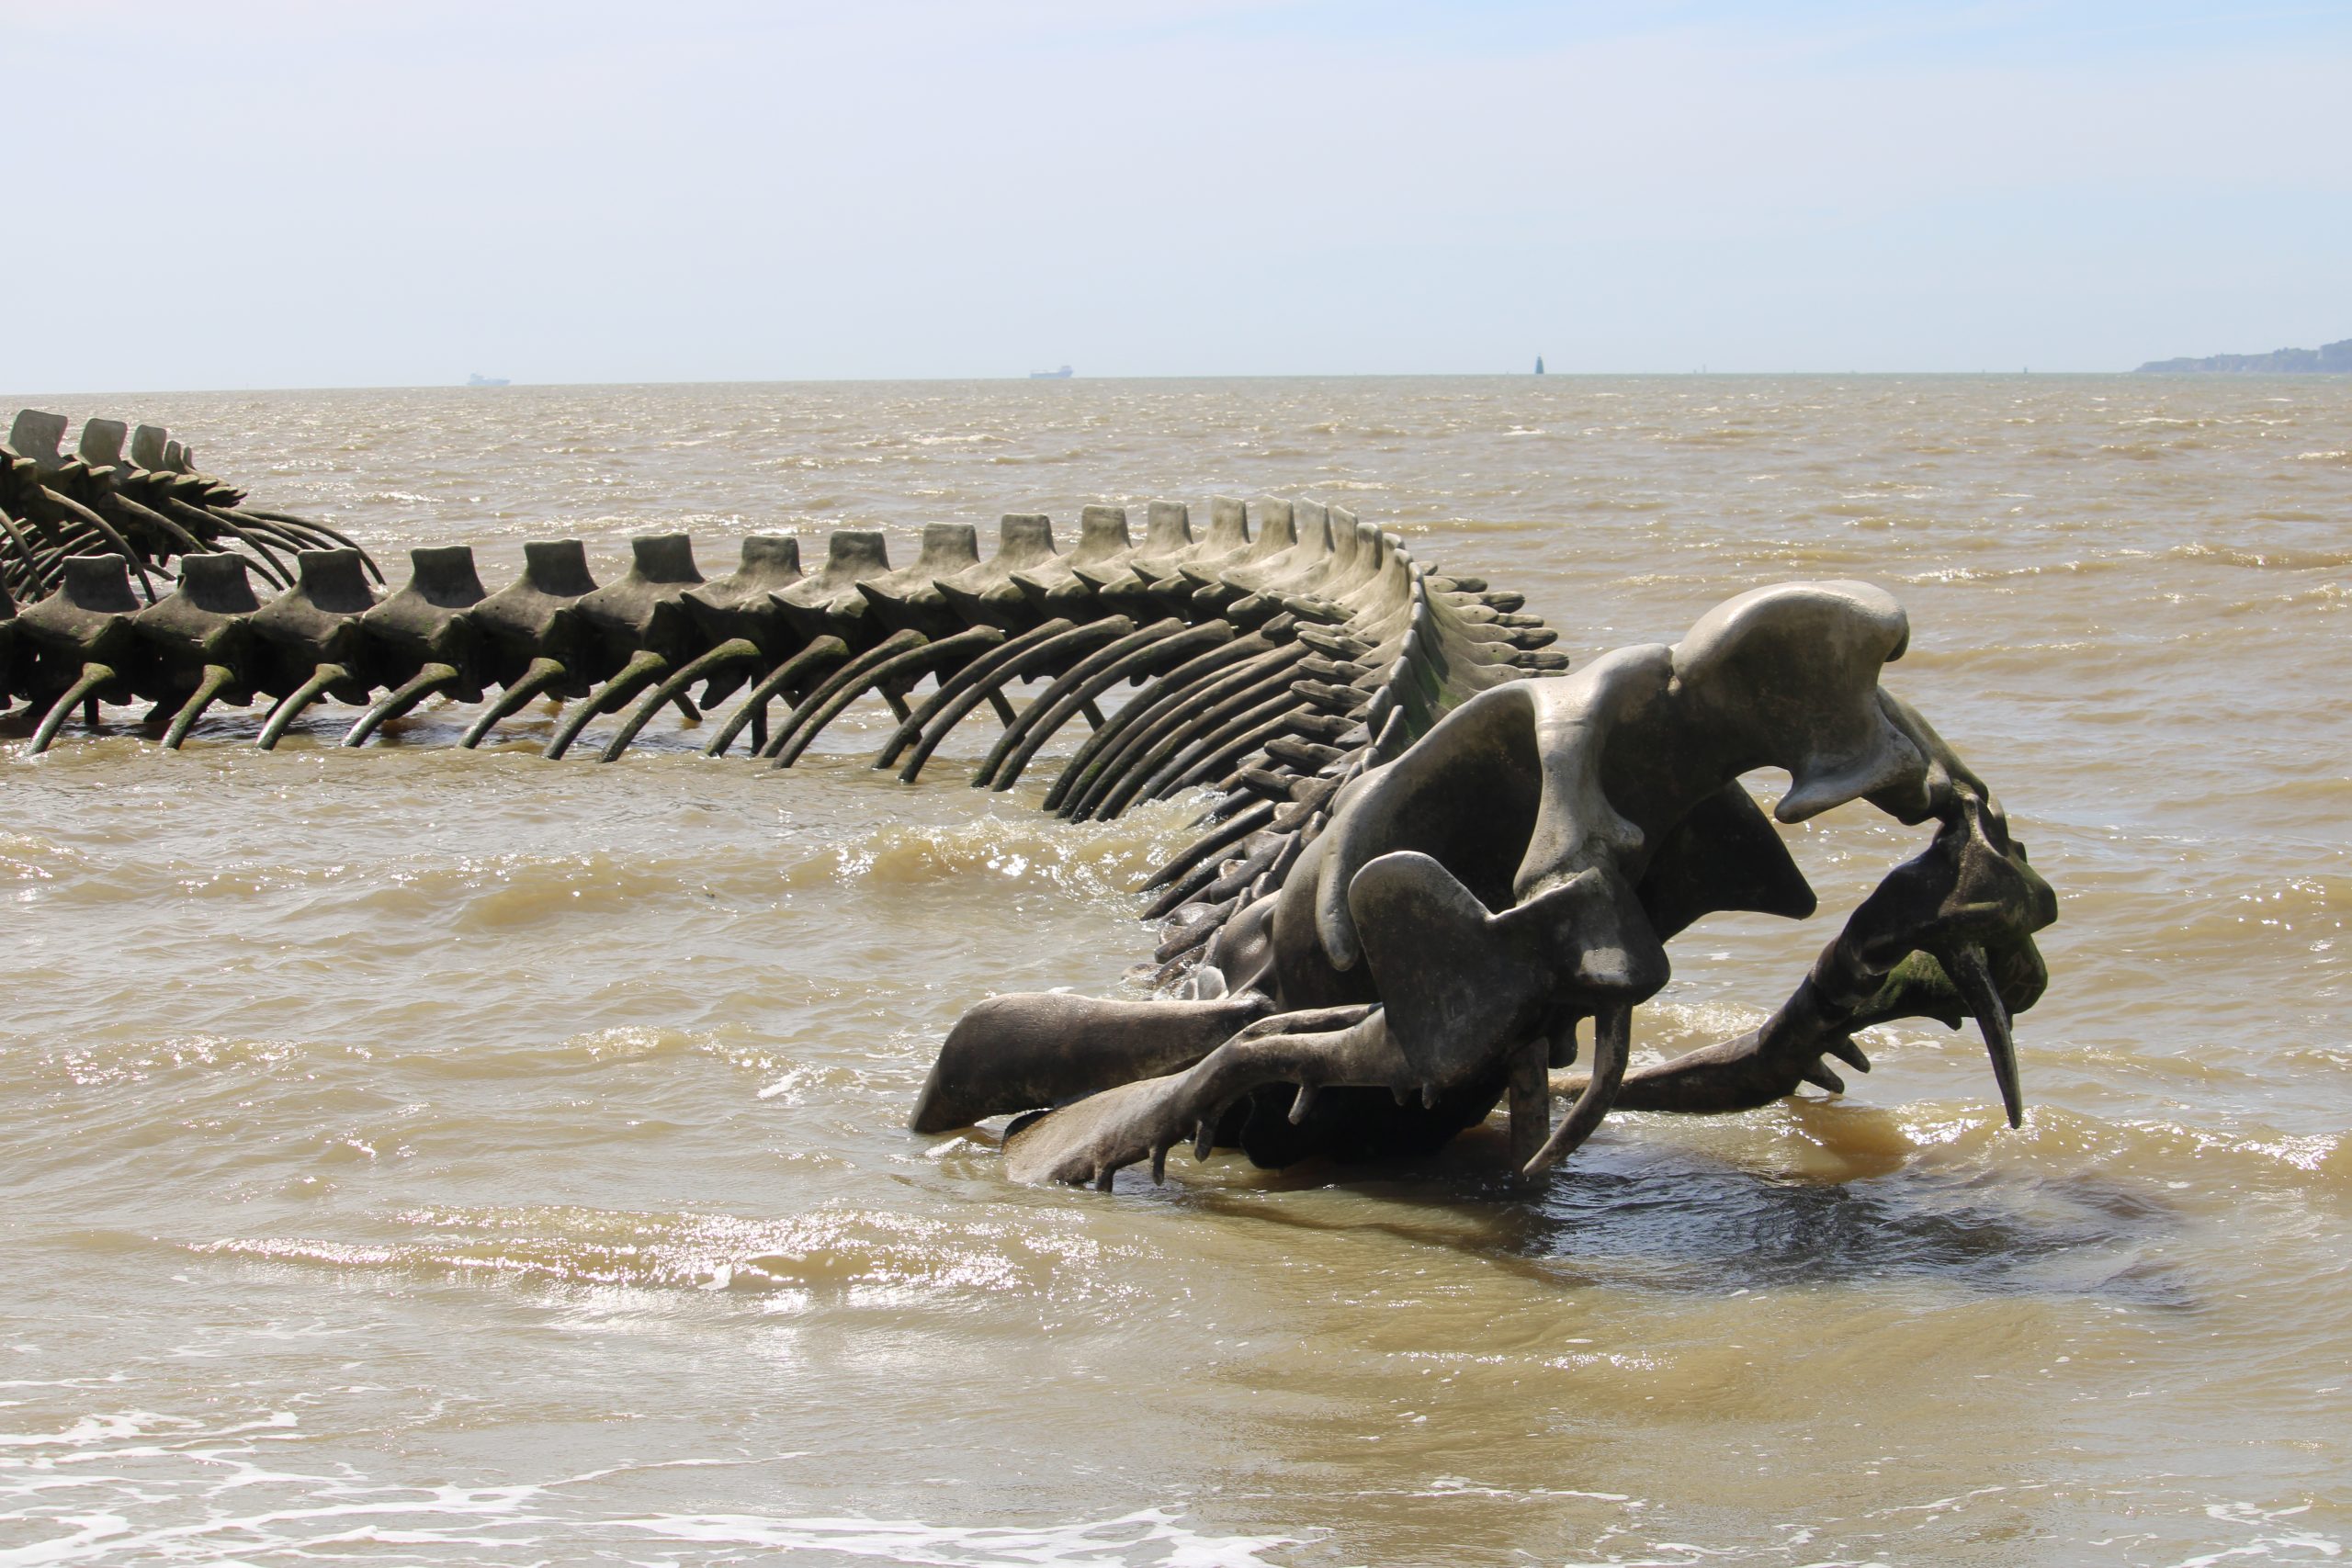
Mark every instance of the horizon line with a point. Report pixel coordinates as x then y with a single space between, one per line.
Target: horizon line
1546 375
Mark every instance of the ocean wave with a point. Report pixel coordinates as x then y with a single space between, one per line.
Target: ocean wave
2270 560
827 1255
1087 859
568 1099
1150 1537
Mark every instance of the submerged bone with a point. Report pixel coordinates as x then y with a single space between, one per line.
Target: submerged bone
1432 863
1519 869
150 508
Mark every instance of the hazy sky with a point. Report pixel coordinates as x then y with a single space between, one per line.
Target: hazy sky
301 193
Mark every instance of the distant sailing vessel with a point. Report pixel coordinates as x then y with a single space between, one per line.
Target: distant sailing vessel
1539 364
1063 374
478 379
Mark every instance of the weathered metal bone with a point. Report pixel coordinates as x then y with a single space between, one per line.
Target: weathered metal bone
147 510
1427 949
81 643
1423 870
822 641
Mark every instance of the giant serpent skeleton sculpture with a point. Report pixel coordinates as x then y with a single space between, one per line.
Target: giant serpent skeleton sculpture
1427 865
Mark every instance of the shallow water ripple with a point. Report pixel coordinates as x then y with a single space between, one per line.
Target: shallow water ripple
420 1155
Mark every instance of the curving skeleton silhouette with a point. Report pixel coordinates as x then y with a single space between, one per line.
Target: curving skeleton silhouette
1433 855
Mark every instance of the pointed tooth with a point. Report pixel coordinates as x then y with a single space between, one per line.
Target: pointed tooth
1302 1104
1613 1039
1845 1050
1974 978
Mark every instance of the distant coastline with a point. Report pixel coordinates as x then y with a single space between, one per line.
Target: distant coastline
2333 358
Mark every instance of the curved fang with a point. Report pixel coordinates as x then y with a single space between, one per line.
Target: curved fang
1093 675
427 681
846 678
911 663
93 676
734 650
302 696
1085 640
816 659
543 673
962 692
1975 978
1613 1042
642 666
216 679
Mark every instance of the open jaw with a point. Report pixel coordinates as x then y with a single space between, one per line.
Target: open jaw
1434 853
1460 903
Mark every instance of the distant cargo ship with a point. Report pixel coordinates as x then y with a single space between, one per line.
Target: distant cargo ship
478 380
1063 374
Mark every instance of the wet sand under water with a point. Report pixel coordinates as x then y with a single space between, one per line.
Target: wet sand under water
419 1156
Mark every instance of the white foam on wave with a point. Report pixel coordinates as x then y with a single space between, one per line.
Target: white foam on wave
135 1485
2274 1534
172 1490
89 1473
1150 1536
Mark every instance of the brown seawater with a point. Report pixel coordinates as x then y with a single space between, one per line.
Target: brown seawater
420 1155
